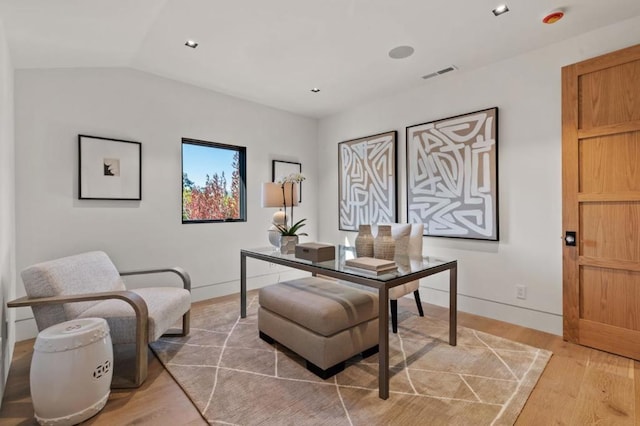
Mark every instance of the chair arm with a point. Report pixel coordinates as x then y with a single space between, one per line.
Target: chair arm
184 275
136 301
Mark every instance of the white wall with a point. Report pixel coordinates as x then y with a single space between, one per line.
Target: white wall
7 211
527 90
54 106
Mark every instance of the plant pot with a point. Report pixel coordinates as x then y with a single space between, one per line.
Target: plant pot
288 244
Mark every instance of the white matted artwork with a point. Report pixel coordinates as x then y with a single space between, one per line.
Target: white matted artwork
109 169
452 176
367 185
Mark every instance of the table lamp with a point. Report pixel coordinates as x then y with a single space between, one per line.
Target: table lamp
280 195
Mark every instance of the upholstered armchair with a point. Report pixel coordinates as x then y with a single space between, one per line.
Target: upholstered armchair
408 239
89 285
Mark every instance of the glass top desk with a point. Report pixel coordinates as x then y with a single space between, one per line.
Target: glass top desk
409 269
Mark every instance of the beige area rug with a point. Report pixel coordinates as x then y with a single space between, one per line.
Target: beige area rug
233 377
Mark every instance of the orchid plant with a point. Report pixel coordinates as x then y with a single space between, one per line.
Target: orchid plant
293 178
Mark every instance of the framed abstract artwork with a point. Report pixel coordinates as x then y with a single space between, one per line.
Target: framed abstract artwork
281 169
367 183
109 169
452 176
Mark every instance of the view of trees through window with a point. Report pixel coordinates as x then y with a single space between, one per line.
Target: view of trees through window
213 177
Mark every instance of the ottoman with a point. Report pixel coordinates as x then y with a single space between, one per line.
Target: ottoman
324 322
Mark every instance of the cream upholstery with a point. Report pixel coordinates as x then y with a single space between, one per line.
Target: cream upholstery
134 316
408 238
324 322
335 307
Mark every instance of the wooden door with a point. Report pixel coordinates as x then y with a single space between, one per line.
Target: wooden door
601 202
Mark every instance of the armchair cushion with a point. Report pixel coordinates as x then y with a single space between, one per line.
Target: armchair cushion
83 273
166 305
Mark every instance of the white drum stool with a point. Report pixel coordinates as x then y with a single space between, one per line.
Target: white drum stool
71 371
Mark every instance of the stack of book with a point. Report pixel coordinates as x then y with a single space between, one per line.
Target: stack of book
371 265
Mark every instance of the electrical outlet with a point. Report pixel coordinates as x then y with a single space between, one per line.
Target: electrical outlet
521 292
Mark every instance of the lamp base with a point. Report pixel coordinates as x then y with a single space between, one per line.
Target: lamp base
279 218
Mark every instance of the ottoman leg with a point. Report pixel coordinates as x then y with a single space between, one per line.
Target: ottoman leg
325 374
266 338
371 351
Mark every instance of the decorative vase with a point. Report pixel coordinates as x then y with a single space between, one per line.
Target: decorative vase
384 246
288 244
364 242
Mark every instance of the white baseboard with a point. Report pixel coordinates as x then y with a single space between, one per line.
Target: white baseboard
232 287
26 327
523 316
543 321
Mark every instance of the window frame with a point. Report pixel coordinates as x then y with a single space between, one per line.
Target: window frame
242 169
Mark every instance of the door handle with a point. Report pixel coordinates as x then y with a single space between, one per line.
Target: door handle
570 238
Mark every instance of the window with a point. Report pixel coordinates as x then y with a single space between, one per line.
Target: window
213 182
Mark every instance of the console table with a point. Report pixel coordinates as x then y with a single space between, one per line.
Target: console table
409 269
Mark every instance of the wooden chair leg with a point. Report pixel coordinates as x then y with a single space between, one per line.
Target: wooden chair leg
394 315
141 363
186 322
416 294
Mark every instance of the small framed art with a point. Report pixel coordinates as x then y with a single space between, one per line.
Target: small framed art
281 169
109 169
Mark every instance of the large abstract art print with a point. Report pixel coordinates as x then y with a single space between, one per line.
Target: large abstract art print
367 181
452 176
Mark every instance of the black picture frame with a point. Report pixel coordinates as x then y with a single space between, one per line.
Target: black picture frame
368 181
109 169
281 168
452 176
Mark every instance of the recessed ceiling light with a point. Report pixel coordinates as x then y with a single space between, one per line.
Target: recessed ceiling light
500 10
191 43
401 52
315 90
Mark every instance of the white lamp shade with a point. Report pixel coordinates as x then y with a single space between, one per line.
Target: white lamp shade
278 194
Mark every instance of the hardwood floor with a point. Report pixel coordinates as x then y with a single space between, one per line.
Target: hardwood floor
580 386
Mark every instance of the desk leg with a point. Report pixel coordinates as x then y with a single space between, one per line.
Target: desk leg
453 304
383 343
243 285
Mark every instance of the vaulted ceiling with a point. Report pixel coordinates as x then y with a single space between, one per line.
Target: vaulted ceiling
275 51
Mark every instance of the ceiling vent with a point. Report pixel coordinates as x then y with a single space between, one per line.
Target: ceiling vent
440 72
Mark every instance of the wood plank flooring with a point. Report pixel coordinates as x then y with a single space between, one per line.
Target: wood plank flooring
580 386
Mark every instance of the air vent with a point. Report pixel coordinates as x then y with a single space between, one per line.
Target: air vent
433 74
446 70
440 72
